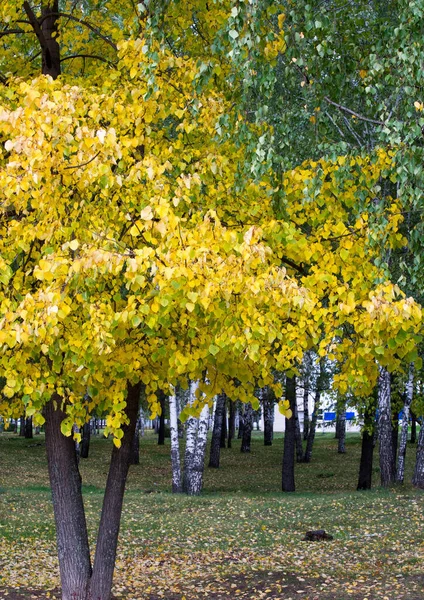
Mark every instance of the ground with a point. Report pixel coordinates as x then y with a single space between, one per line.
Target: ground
240 539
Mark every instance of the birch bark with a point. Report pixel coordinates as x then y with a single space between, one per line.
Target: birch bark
385 428
409 389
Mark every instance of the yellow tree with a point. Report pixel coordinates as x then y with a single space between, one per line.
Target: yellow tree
134 248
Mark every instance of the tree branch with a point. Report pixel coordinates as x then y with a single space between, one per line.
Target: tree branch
351 112
82 22
88 56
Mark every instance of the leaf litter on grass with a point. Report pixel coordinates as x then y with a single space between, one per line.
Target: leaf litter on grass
225 545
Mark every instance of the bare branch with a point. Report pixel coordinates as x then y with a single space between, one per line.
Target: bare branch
353 113
13 31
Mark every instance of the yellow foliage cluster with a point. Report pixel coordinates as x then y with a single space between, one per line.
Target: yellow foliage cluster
129 250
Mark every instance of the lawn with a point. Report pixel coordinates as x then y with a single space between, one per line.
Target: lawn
241 539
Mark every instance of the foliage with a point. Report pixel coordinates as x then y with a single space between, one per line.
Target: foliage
134 246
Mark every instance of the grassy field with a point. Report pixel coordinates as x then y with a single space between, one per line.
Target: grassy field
241 539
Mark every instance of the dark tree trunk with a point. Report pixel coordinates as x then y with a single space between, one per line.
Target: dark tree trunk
247 428
385 432
217 429
367 450
224 428
418 478
71 530
288 484
341 449
22 426
135 447
28 428
268 409
161 431
413 428
107 539
85 442
46 34
231 423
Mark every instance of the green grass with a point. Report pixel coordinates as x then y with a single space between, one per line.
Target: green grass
240 539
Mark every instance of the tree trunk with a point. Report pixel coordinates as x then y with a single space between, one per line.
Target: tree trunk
413 439
191 439
224 428
409 389
312 428
216 434
47 34
241 423
298 435
367 450
175 446
395 436
268 408
28 428
65 481
385 429
85 442
342 432
196 480
231 423
161 431
22 426
418 478
107 539
135 446
247 428
288 484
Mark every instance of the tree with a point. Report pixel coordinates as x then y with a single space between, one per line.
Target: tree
144 238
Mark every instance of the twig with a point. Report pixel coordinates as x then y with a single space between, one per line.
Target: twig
88 56
83 164
351 112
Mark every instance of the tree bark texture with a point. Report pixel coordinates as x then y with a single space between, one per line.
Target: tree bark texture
288 484
28 428
267 397
413 439
385 436
298 435
418 478
231 423
241 423
85 441
135 446
196 481
219 416
107 538
247 428
367 449
175 446
224 428
341 446
409 390
312 428
71 530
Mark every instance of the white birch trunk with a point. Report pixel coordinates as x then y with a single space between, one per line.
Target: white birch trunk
175 446
196 480
385 428
191 437
409 389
